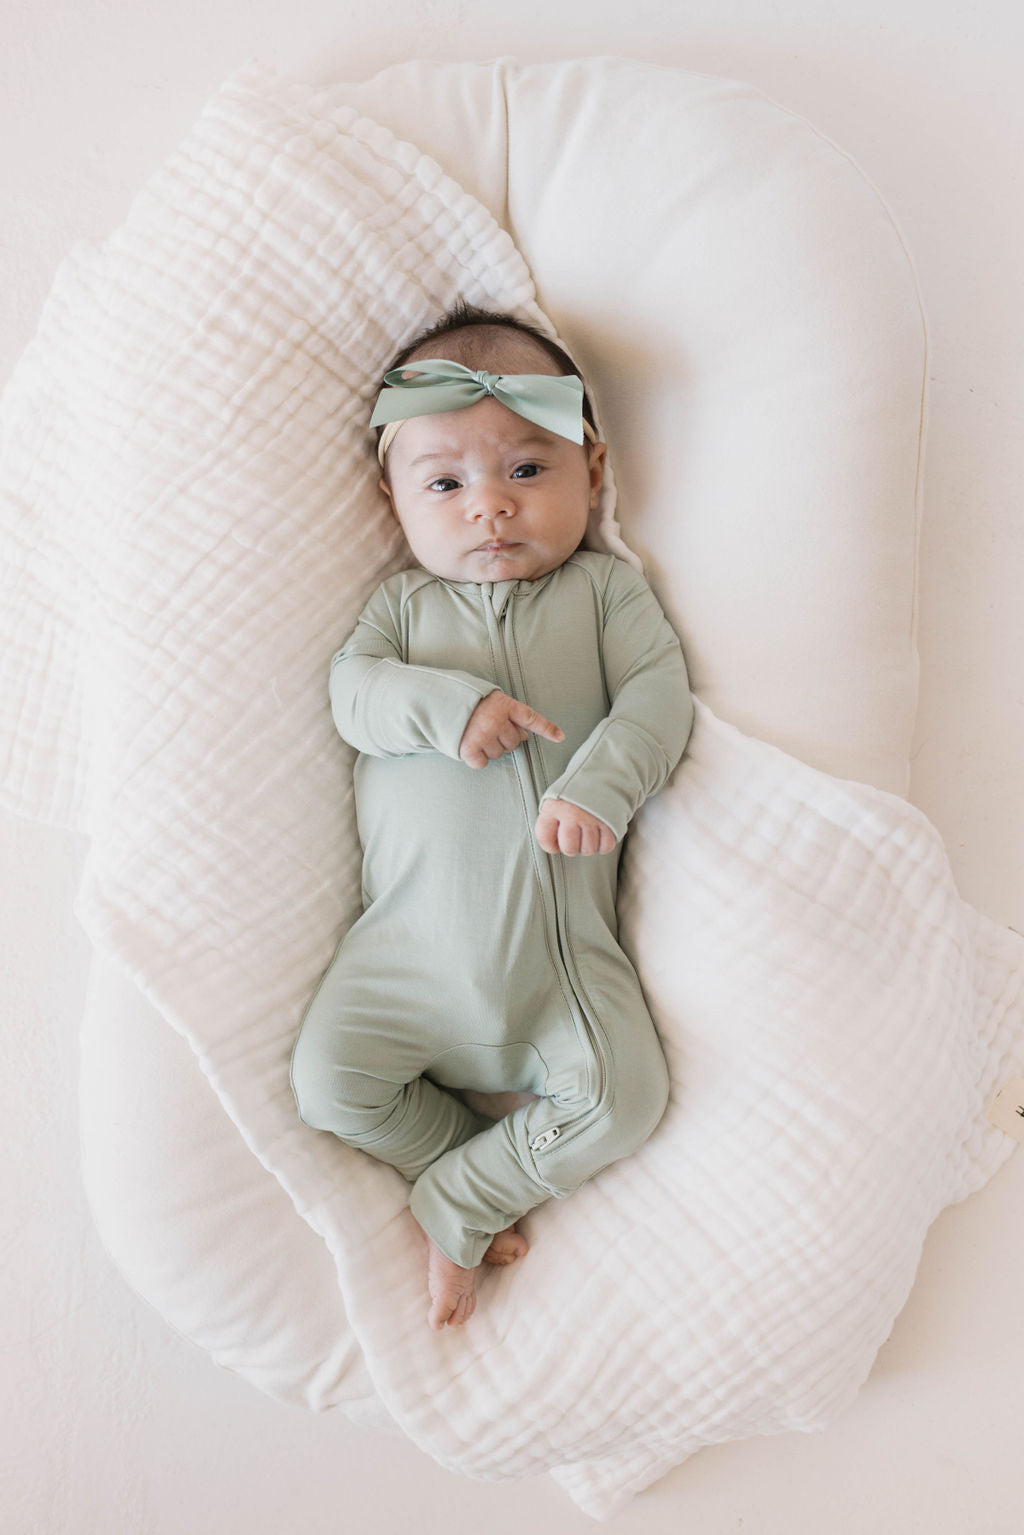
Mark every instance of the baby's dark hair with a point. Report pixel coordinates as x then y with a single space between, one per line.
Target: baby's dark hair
469 334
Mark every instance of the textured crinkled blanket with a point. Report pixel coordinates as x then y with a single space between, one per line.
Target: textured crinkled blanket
191 526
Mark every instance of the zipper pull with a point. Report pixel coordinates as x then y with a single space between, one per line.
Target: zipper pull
545 1139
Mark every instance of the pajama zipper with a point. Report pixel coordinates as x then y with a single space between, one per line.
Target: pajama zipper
514 686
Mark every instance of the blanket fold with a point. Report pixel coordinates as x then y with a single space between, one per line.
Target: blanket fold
191 527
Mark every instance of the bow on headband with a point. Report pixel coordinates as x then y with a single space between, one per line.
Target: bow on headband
439 385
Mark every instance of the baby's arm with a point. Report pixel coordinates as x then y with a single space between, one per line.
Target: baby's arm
630 754
387 707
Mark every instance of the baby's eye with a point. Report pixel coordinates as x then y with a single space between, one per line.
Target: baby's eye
526 471
443 483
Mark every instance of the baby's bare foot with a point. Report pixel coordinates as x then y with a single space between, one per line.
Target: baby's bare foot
452 1290
506 1247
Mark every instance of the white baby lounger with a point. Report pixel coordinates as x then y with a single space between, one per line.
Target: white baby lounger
194 527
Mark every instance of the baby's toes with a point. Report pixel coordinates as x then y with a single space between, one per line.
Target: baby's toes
463 1309
506 1246
438 1313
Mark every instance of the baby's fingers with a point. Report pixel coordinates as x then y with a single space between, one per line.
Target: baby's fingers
510 736
562 827
479 752
529 719
597 838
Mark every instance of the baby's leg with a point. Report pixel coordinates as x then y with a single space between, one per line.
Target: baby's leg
549 1147
365 1086
406 1124
453 1288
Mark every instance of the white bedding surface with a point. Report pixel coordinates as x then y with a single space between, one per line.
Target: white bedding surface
191 528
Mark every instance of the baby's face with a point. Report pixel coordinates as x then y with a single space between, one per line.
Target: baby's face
485 495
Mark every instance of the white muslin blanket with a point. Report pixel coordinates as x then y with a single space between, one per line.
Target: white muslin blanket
191 526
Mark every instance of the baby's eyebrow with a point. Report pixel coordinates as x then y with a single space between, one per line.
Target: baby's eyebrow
438 453
520 447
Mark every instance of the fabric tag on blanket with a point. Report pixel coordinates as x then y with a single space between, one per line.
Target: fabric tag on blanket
1006 1111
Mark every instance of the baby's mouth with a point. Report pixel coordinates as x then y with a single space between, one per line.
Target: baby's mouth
494 548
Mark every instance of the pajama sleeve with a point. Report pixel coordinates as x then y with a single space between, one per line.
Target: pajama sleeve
630 754
386 707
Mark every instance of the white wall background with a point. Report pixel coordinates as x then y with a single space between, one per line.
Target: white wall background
112 1423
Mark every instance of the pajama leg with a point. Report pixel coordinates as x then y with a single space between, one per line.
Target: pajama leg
366 1088
546 1148
406 1124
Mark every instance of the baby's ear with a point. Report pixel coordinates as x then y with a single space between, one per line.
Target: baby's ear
386 488
597 457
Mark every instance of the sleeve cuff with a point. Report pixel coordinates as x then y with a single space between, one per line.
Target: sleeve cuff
438 704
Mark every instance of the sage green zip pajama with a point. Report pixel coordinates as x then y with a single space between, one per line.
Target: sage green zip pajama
480 961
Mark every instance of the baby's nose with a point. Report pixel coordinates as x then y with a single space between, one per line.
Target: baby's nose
491 500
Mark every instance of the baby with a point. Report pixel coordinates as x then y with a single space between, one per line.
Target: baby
513 699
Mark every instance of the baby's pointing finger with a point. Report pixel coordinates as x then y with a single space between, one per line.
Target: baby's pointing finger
531 720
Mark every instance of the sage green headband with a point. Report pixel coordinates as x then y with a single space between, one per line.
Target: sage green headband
440 385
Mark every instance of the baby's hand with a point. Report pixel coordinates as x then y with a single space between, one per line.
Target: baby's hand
499 724
563 827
